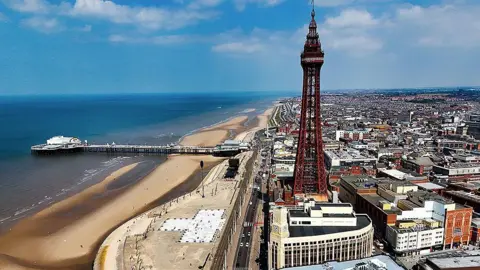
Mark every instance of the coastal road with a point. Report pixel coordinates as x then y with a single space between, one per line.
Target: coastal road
245 243
246 237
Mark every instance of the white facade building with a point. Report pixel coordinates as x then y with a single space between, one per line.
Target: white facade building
348 157
357 134
414 236
318 233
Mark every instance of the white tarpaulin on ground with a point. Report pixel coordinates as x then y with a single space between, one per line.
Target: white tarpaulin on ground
201 229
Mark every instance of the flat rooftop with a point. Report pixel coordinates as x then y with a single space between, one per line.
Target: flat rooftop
298 213
464 195
304 231
364 182
391 265
452 261
346 155
429 186
395 173
460 165
318 206
374 199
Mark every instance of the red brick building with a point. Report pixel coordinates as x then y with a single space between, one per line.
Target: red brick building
457 226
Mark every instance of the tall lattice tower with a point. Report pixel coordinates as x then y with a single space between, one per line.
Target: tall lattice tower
310 175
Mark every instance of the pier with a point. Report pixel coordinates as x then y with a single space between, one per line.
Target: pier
105 148
65 145
149 149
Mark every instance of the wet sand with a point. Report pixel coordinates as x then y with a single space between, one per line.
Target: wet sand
67 234
216 134
259 123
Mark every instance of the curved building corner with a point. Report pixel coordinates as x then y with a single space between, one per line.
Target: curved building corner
316 233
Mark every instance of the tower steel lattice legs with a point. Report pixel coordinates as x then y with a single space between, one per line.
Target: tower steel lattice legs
310 175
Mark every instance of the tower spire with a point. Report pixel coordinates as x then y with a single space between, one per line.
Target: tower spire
313 9
312 36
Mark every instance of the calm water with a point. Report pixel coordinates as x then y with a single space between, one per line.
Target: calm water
28 183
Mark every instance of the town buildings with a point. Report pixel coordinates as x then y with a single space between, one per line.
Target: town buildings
408 165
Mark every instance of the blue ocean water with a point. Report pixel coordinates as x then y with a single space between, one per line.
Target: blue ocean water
27 183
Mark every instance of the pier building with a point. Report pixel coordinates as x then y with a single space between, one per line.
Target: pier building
59 144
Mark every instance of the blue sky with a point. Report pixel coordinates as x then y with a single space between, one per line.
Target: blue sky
97 46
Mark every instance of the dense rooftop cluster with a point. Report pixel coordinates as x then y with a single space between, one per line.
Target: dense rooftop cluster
410 161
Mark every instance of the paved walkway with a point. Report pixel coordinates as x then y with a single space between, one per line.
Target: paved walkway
232 252
255 250
110 254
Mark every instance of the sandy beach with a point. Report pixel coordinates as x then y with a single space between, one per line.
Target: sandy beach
53 238
216 134
261 124
67 234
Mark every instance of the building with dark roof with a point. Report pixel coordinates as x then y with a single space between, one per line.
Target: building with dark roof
318 233
421 165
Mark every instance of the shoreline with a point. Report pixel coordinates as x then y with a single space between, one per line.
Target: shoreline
250 110
10 221
39 243
211 136
108 214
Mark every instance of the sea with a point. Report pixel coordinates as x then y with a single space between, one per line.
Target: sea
30 183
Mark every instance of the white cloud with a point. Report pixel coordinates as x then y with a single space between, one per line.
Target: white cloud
146 17
238 47
44 25
259 41
441 25
3 18
38 6
196 4
332 3
352 32
156 40
152 18
30 6
352 18
357 45
241 4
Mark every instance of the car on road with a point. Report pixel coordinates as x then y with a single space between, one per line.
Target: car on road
248 234
241 244
243 235
246 245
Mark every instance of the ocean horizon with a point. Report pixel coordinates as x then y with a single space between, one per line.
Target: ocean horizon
29 183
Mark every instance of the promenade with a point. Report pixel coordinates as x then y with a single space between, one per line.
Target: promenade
140 242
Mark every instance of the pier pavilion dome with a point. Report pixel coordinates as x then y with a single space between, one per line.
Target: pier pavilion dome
63 140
